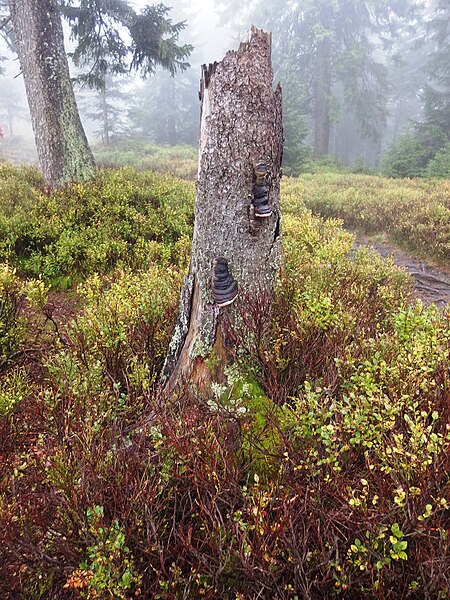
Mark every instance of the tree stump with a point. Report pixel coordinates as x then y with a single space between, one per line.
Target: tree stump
237 234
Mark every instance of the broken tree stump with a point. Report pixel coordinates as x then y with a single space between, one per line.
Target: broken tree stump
236 243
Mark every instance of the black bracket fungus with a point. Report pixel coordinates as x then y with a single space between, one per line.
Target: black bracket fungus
224 286
260 173
262 208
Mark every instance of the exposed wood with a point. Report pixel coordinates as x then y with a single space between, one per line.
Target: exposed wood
240 128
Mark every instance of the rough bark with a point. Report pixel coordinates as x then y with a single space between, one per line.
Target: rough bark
61 143
105 116
240 127
322 90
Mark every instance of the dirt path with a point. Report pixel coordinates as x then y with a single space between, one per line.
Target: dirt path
432 284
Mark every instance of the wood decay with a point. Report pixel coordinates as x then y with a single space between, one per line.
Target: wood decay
237 210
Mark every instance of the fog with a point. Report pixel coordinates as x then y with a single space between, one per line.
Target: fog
353 76
210 39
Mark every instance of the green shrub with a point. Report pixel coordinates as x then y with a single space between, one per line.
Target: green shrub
31 176
321 469
11 328
360 166
325 164
413 213
322 300
439 166
13 389
180 161
108 569
407 157
122 219
120 339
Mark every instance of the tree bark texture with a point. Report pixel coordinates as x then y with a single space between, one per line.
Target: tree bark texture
322 90
105 137
62 147
240 129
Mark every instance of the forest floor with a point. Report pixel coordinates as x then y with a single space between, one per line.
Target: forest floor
431 283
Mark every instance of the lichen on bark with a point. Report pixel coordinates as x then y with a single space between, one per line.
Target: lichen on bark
61 143
78 163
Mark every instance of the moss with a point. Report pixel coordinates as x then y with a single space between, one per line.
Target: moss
261 442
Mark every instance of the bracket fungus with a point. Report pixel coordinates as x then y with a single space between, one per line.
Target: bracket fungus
261 192
224 286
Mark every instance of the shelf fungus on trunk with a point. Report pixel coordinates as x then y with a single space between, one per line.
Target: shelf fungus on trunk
262 208
224 287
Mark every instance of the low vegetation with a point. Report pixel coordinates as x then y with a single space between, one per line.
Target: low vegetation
413 213
180 160
125 219
321 469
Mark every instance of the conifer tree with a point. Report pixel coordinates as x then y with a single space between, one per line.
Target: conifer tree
34 29
333 45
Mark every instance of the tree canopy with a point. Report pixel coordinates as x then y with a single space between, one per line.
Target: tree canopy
97 27
333 46
425 146
436 96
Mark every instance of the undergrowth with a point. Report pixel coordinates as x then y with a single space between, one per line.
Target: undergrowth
124 218
320 470
414 213
180 160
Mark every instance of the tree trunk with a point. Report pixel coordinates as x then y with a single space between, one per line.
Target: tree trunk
62 147
240 138
10 120
105 118
322 89
172 115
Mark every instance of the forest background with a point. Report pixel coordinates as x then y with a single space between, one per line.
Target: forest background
366 86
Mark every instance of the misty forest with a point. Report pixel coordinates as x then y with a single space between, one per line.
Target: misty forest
224 299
